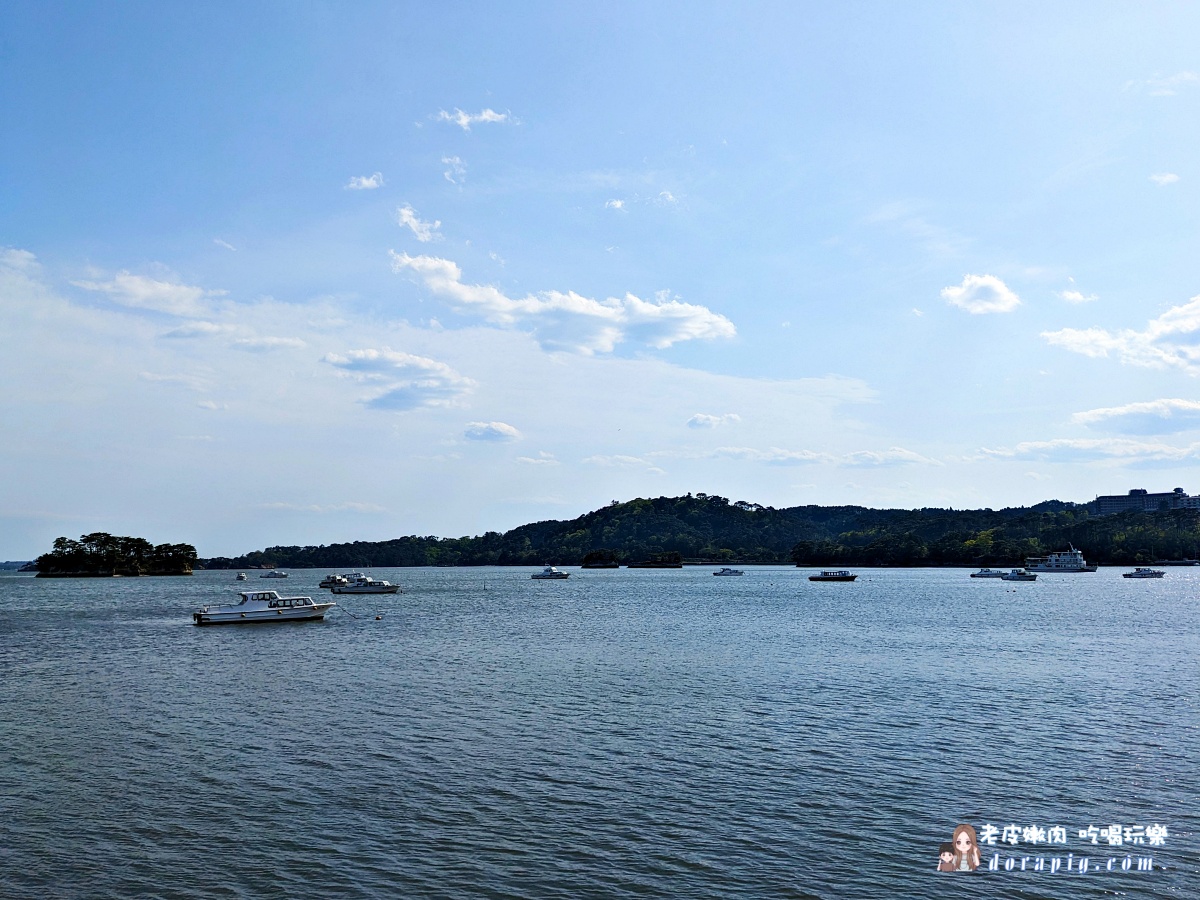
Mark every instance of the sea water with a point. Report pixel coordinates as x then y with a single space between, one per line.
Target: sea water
621 734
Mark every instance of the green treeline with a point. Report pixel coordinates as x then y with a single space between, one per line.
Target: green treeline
106 555
712 529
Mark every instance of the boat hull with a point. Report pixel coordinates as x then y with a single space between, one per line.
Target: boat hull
355 589
832 577
257 617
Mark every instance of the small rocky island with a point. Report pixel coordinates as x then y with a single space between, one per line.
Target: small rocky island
103 555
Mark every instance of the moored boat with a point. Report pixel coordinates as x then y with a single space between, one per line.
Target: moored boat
550 573
1061 561
833 575
987 573
1143 572
725 570
262 606
274 573
241 576
333 580
364 584
1019 575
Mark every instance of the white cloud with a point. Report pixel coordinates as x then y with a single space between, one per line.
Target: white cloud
425 231
1162 179
620 461
1170 85
1146 417
365 182
225 244
491 431
665 198
542 459
456 173
140 292
569 321
702 420
980 294
465 120
191 382
269 343
775 456
1121 450
1077 297
406 381
894 456
1171 340
197 329
614 204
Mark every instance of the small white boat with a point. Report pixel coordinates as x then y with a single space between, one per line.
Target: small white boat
1143 572
364 584
274 573
1062 561
241 576
987 573
262 606
833 575
728 571
550 573
333 580
1019 575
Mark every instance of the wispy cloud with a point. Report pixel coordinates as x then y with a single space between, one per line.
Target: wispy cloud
1077 297
1121 450
979 294
365 182
269 343
465 120
1167 86
349 506
404 381
934 239
569 321
141 292
542 459
777 456
456 169
620 461
424 231
197 329
703 420
191 382
491 431
1169 341
1162 179
1147 417
225 244
614 204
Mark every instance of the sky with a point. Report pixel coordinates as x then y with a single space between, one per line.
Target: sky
303 273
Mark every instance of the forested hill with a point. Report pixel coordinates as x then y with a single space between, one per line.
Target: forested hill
712 529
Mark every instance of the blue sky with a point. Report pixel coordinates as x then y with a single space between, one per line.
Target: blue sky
301 272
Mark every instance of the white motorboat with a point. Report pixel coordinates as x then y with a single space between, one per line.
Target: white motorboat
334 580
987 573
833 575
1062 561
1143 572
274 573
550 573
262 606
1019 575
725 570
241 576
364 584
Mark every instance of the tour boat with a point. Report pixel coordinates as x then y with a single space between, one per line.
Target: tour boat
1062 561
1019 575
1143 572
333 580
364 584
274 573
833 575
987 573
728 571
262 606
550 573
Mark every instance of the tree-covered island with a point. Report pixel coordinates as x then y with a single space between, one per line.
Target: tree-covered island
101 555
710 529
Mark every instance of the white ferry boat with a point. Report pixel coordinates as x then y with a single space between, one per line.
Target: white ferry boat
274 573
365 584
1062 561
550 573
1143 572
833 575
987 573
1018 575
262 606
334 580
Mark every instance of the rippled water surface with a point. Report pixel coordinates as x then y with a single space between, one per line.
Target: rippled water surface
621 734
